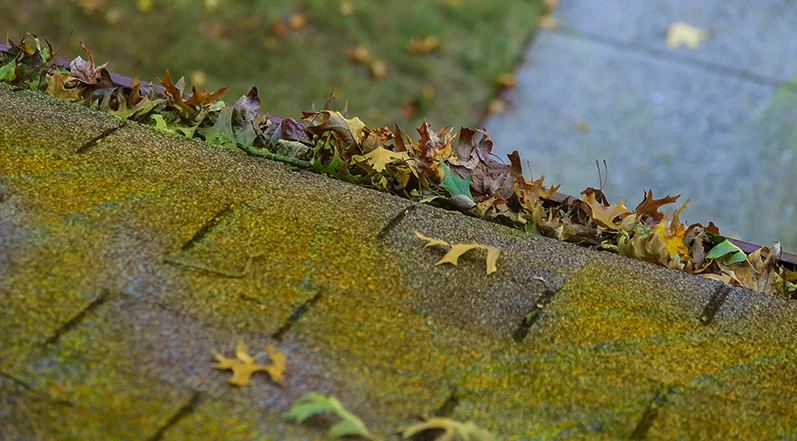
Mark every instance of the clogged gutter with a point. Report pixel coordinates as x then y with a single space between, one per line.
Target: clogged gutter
443 167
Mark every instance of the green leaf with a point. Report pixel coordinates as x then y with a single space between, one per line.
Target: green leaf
160 123
7 71
455 185
315 403
221 132
725 247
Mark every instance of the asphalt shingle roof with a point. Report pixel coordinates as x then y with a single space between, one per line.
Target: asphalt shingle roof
127 255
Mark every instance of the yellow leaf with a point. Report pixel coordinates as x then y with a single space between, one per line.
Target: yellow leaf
380 157
243 365
602 215
432 241
673 240
680 33
459 249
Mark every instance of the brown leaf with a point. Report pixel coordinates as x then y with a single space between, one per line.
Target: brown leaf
650 207
85 71
359 54
349 130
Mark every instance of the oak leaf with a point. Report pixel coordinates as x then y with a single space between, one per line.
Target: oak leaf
243 365
349 130
459 249
604 215
85 71
380 157
446 429
650 207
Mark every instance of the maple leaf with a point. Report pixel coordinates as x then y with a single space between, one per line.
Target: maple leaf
243 365
314 403
681 33
454 185
446 430
459 249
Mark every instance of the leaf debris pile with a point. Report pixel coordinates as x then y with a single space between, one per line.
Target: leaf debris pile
455 169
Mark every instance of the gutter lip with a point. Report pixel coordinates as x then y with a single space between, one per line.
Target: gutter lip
787 259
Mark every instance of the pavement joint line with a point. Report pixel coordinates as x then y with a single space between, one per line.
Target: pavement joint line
715 304
651 413
78 318
184 411
449 405
676 59
94 141
395 221
297 313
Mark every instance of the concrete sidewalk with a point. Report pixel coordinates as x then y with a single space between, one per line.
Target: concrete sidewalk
715 124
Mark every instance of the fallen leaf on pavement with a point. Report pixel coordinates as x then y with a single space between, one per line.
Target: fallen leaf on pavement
681 33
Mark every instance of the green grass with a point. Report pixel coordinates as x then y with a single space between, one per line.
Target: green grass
479 39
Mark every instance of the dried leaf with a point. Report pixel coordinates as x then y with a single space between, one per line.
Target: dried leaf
380 157
243 366
650 207
378 69
604 216
349 130
681 33
359 54
446 430
458 250
85 71
424 45
297 21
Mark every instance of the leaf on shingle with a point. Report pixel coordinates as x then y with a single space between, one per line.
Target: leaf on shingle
243 365
446 429
457 250
314 403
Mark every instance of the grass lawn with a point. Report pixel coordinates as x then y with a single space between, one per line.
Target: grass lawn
295 51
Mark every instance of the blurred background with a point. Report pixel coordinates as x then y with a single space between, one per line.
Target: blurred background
682 96
395 61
